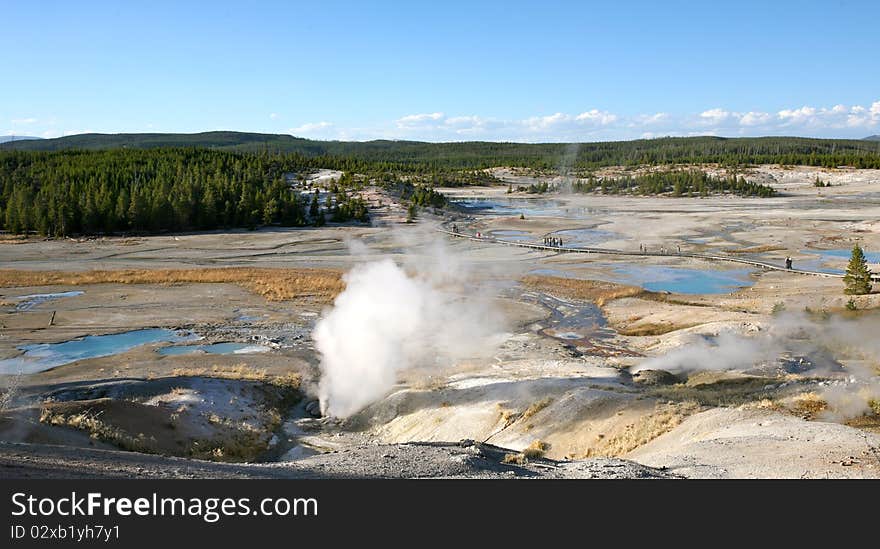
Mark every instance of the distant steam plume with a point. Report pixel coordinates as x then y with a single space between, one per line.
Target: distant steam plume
566 167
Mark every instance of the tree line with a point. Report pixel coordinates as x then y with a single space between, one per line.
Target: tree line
441 158
675 183
58 194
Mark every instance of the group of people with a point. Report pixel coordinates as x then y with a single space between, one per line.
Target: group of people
557 242
663 249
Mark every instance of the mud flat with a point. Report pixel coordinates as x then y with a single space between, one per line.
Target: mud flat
559 397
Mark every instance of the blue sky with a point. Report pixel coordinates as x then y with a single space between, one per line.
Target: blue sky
440 71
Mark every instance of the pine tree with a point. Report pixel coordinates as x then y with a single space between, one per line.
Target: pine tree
318 218
314 206
858 277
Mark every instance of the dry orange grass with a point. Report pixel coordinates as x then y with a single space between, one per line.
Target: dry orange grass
664 419
652 329
589 290
243 372
272 283
536 407
808 405
536 450
756 249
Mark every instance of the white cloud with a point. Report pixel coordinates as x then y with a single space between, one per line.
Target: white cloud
755 118
418 119
273 116
715 116
539 123
595 116
23 121
861 117
797 116
470 125
311 128
650 119
594 124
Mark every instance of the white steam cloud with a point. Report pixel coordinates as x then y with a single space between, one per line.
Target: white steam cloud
387 321
819 343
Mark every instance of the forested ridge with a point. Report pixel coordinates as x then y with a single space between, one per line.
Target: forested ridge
93 183
421 156
176 189
75 192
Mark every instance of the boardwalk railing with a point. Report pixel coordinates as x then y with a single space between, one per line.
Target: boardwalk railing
609 251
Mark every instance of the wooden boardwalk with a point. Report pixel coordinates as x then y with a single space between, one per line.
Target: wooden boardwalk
610 251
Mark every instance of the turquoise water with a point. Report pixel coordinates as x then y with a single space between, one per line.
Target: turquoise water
43 356
844 253
815 264
659 278
584 238
682 280
838 257
512 235
214 349
28 302
537 207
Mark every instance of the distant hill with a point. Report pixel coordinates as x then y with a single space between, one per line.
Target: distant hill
153 140
17 138
482 154
873 138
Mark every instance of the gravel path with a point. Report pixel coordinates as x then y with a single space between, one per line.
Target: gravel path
466 459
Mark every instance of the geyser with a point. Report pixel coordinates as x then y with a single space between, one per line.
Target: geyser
387 321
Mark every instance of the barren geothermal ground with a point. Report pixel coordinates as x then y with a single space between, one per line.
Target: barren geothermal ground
397 350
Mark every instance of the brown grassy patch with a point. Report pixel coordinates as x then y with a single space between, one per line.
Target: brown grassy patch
536 407
274 284
536 450
808 405
89 421
514 459
244 372
508 417
653 329
756 249
669 299
664 419
589 290
724 392
866 423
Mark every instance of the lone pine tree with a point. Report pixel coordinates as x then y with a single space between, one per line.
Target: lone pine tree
858 277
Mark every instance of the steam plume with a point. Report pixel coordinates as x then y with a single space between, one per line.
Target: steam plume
821 342
387 321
